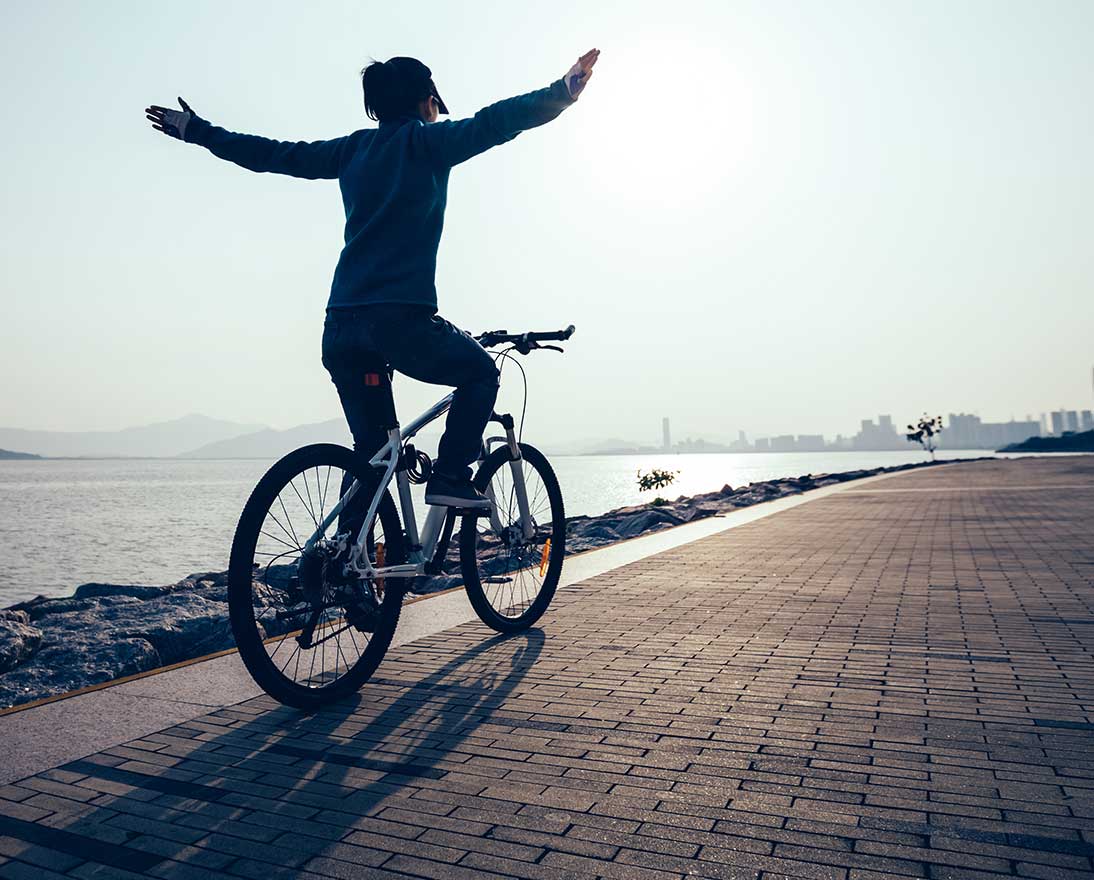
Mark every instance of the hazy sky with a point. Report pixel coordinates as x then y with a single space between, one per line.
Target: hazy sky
780 217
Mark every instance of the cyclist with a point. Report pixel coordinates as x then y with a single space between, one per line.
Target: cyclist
383 300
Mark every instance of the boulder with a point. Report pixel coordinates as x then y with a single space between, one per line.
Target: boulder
88 591
593 529
646 521
60 668
18 639
438 583
183 625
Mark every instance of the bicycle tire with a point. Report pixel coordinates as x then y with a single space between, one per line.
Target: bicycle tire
518 559
247 593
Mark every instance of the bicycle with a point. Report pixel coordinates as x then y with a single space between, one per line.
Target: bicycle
336 576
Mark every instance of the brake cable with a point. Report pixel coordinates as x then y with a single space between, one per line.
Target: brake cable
504 355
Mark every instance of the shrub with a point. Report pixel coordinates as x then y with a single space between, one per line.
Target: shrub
925 431
655 479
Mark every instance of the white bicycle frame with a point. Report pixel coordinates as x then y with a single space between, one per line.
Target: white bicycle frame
421 549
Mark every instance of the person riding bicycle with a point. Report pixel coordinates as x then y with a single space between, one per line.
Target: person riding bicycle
383 301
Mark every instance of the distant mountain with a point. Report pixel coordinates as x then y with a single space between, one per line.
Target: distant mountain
160 440
587 446
8 455
270 444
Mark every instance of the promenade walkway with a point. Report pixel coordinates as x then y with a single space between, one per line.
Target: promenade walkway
893 680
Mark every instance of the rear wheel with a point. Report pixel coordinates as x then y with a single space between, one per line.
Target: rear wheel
511 579
308 630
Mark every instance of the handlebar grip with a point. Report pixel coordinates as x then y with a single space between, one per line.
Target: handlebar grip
554 336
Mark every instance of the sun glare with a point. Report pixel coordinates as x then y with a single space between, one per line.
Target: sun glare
672 119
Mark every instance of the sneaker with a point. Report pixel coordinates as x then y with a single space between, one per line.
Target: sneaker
448 492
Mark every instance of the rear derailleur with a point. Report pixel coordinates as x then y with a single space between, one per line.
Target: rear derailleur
324 581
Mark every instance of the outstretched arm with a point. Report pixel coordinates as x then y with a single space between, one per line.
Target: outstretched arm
310 160
450 143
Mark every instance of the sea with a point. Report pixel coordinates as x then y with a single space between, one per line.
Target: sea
67 522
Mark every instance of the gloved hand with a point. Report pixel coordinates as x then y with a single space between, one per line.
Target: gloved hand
171 122
578 76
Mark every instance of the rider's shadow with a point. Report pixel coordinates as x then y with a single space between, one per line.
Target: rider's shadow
297 784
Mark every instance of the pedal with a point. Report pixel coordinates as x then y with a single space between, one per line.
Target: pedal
497 580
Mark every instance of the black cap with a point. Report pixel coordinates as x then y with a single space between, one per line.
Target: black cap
413 71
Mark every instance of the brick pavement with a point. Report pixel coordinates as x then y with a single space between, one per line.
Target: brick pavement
888 682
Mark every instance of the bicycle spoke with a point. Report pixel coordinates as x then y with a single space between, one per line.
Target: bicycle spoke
292 485
326 486
279 541
288 533
288 519
311 506
295 653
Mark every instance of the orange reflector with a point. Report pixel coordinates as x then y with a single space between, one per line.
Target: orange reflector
372 379
543 559
380 564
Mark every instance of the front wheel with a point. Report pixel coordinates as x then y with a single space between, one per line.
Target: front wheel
510 577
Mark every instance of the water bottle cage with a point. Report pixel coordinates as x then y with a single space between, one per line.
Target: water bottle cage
418 465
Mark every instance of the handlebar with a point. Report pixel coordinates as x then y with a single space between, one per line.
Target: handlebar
525 342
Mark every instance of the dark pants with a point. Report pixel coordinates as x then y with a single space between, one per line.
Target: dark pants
422 345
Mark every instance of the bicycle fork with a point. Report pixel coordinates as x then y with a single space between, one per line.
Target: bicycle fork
520 488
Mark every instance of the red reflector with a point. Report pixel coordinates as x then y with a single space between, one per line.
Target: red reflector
372 379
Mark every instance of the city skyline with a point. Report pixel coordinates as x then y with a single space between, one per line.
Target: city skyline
960 431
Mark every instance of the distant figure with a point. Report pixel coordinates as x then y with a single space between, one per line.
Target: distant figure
383 300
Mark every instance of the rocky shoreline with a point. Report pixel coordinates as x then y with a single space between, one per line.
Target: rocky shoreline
108 631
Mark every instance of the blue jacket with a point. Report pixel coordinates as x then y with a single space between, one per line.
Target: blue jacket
394 182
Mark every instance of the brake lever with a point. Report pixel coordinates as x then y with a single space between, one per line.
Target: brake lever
553 348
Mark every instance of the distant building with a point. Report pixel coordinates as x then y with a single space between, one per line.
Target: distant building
1058 422
698 445
880 436
762 444
965 431
666 435
810 443
783 443
1087 422
1072 420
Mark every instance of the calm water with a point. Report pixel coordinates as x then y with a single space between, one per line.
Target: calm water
64 523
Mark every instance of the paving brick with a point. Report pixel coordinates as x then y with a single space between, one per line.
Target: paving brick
36 854
524 870
416 867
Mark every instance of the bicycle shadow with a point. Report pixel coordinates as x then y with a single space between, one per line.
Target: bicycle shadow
282 787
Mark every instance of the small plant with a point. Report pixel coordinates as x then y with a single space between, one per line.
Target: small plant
655 479
659 501
925 431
